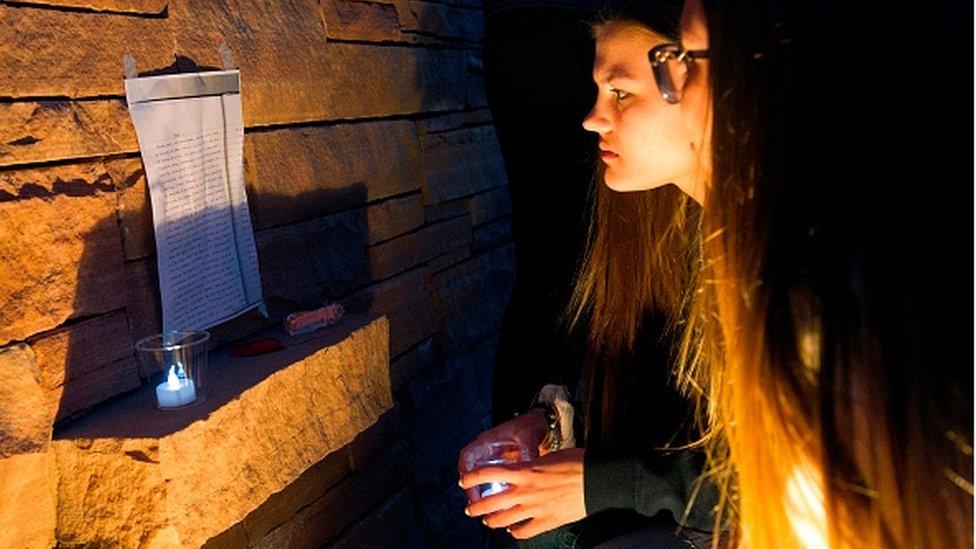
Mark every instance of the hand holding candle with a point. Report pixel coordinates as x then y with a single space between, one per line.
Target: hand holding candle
495 452
540 495
516 440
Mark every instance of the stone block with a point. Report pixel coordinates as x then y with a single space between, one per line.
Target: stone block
144 7
461 163
491 234
60 257
411 363
297 174
309 262
327 80
36 131
71 180
361 21
413 249
489 206
70 53
375 440
27 490
469 300
392 525
56 53
26 412
468 532
454 121
477 360
135 211
449 406
475 96
234 537
446 210
79 349
131 475
471 4
393 217
439 513
88 362
443 21
143 308
83 392
282 506
82 179
405 301
448 260
327 517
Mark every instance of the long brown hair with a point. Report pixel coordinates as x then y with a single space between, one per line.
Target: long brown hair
807 332
640 255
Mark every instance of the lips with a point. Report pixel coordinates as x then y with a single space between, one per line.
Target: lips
607 154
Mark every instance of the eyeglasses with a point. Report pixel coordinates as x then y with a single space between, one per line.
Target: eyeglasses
671 63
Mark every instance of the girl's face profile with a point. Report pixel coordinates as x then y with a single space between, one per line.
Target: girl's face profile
644 142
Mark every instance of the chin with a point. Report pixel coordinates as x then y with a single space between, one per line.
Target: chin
625 184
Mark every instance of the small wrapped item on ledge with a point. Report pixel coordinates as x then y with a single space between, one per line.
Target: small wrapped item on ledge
303 322
256 347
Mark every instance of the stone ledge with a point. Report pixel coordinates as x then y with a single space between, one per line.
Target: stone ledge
132 475
144 7
27 492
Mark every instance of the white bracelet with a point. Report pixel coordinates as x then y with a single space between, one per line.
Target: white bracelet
556 397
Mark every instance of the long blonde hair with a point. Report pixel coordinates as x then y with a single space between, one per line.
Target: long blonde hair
803 335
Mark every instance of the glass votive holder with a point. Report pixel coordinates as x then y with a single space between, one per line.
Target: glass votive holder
495 452
182 357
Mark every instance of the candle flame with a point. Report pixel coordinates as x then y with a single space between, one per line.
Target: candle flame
172 380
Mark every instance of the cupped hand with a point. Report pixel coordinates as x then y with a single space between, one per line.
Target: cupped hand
542 494
530 429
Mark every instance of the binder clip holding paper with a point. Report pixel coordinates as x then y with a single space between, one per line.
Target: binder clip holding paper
191 132
129 64
226 57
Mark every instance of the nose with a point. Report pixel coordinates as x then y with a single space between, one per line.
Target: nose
597 121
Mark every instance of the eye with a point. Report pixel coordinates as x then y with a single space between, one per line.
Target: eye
619 94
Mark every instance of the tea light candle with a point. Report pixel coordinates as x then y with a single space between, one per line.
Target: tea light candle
493 488
177 390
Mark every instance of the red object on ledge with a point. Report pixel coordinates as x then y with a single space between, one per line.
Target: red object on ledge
256 347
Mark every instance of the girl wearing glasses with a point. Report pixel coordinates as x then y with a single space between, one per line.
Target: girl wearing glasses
819 339
837 384
634 279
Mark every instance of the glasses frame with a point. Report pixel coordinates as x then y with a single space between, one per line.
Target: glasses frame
659 56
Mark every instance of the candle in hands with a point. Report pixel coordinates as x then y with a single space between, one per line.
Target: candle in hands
495 452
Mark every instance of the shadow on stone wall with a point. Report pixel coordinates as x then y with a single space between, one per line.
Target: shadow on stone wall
441 406
301 268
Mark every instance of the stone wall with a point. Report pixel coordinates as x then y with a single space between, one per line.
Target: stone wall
373 177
